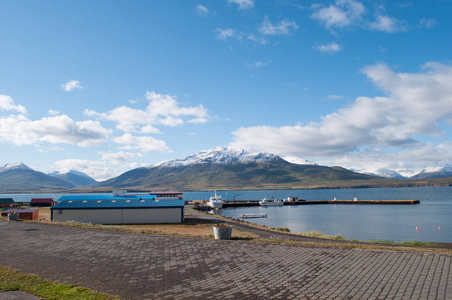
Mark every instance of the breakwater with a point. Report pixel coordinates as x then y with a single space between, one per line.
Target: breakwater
245 203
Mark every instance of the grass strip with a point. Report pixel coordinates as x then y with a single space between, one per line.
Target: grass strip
13 280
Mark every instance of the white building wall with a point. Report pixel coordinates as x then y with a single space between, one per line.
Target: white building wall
120 216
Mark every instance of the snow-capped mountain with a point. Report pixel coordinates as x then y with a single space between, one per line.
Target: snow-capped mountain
298 161
386 173
218 155
441 169
14 166
231 168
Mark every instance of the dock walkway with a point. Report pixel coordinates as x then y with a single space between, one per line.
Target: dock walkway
151 266
245 203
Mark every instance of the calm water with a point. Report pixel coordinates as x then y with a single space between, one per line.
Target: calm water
362 222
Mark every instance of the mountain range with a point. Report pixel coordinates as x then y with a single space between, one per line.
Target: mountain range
219 168
19 177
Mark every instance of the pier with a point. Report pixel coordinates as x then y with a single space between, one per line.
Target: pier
245 203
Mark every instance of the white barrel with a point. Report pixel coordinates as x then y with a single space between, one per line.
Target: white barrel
222 232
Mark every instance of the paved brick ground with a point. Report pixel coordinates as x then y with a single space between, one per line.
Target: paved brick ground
142 266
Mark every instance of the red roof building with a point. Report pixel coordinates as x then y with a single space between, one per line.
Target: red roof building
41 202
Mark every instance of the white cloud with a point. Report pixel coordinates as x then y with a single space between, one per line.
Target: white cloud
162 110
120 158
108 166
71 85
143 143
387 24
150 129
52 112
408 162
329 48
414 105
202 10
336 97
427 23
257 39
7 104
42 149
223 34
282 28
342 14
98 170
164 107
19 130
260 64
243 4
127 118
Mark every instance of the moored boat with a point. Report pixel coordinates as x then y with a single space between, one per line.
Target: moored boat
275 202
215 201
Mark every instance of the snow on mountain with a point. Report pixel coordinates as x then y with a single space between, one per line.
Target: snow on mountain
441 169
17 166
384 173
298 161
218 155
71 172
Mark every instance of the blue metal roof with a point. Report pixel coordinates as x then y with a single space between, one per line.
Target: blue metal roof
118 203
107 197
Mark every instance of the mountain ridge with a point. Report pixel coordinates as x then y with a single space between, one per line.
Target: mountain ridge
217 168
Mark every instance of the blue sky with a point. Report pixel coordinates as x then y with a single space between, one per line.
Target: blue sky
106 86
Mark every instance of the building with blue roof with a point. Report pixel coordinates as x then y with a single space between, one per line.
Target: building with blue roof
127 209
107 197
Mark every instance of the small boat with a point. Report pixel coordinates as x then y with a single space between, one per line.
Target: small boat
266 202
215 201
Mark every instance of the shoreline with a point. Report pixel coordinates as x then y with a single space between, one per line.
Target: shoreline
430 182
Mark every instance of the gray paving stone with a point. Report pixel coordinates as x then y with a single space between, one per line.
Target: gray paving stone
142 266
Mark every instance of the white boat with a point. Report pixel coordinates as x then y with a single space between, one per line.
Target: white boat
215 201
266 202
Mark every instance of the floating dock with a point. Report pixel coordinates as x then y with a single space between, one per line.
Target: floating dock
246 216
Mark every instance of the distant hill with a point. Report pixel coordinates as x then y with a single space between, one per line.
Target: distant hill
19 177
225 168
73 177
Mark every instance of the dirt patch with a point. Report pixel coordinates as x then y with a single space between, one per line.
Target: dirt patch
186 229
44 212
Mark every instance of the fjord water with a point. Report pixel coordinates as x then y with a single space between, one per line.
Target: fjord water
362 222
